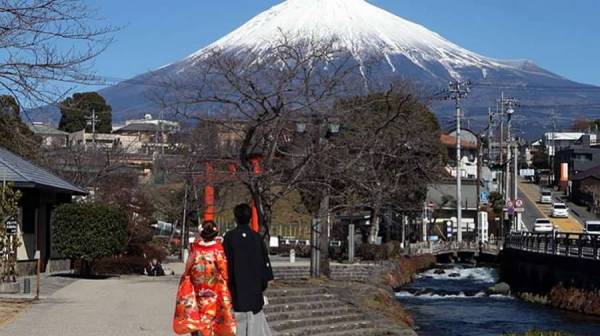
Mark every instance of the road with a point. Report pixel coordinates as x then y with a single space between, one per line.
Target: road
531 192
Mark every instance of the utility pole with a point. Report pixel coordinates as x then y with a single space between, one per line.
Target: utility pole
457 91
508 106
92 121
490 133
552 153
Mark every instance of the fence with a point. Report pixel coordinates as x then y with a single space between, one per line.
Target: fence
577 245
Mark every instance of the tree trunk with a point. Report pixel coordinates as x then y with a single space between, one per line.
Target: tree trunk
374 224
324 241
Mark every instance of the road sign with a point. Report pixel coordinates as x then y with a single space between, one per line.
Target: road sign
431 205
519 203
527 172
484 197
10 225
510 204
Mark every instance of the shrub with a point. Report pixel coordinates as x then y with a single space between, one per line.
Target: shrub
120 265
86 232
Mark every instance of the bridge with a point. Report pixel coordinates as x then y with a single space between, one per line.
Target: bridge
452 247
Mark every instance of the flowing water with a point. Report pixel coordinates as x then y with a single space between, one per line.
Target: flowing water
456 304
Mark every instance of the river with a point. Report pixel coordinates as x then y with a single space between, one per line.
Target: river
455 304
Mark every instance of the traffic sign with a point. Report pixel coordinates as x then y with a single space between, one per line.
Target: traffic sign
431 205
519 203
10 225
484 197
510 204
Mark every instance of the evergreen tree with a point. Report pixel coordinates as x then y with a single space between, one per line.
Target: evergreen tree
77 110
15 135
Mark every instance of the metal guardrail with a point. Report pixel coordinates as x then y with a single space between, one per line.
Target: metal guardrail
576 245
443 247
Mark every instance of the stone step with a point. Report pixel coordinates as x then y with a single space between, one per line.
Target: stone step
324 329
271 293
324 304
367 332
300 298
324 321
359 332
308 313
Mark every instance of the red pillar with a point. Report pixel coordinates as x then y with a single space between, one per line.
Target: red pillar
209 195
255 223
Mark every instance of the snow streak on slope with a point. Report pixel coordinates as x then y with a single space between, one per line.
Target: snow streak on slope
359 27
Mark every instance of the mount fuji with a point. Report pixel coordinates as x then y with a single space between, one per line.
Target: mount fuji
404 49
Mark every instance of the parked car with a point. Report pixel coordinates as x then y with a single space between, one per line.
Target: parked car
543 225
560 210
592 226
546 197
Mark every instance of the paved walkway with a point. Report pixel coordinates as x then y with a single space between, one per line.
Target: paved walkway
115 307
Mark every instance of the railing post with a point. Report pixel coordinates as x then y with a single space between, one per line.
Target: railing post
567 245
554 244
595 243
581 244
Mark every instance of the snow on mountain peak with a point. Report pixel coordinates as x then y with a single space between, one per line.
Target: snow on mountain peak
359 27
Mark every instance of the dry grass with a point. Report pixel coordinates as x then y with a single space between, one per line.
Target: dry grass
9 309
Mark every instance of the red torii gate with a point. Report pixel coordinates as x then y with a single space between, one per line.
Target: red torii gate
209 190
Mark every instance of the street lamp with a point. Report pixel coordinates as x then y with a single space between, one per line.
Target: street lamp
319 232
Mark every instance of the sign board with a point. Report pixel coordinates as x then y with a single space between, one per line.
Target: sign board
484 197
519 203
510 204
527 172
431 205
10 225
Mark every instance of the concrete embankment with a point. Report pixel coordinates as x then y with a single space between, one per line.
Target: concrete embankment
561 282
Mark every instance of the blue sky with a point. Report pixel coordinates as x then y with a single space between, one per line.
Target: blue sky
562 36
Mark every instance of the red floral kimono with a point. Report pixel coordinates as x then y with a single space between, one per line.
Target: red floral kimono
207 269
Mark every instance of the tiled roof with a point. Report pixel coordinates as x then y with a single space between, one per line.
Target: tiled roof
25 174
592 172
46 130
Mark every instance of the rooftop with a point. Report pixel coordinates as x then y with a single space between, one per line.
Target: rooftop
46 129
592 172
25 174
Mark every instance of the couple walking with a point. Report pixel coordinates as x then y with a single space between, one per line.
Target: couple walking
225 297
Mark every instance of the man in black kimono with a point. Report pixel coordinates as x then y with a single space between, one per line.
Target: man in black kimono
249 274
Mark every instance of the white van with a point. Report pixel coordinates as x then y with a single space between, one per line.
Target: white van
546 197
592 226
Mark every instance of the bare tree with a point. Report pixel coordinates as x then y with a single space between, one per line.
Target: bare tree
390 156
48 41
260 96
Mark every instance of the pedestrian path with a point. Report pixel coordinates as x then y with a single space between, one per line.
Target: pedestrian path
125 306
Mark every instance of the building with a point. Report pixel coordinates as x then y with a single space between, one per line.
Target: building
50 135
42 192
106 142
556 141
585 188
151 133
579 156
469 152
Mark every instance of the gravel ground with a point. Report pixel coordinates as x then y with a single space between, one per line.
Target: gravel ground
10 309
119 306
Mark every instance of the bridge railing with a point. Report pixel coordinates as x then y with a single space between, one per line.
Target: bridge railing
569 244
440 247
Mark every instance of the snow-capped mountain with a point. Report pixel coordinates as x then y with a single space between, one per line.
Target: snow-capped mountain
404 50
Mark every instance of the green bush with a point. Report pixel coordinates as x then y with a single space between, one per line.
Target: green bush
120 265
88 231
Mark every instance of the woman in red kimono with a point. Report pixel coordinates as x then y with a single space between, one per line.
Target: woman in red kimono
207 269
